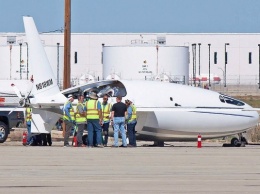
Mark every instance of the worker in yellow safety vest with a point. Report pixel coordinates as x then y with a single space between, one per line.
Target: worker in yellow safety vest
94 120
106 109
80 117
68 118
30 138
131 122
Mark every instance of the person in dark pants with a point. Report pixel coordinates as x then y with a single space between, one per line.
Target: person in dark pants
119 111
106 108
94 120
80 118
131 122
46 138
68 118
38 140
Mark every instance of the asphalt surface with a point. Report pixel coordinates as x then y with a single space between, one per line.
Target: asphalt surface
182 168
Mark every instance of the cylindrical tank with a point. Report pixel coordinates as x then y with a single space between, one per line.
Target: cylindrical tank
146 62
14 69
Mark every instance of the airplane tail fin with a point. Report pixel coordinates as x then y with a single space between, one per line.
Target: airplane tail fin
45 83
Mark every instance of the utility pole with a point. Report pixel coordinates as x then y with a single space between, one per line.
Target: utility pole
67 31
66 71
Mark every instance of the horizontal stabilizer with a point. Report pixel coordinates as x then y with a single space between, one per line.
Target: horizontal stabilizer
43 121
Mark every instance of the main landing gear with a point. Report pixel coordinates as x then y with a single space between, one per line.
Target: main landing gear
239 142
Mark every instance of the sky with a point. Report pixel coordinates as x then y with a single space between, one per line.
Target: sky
135 16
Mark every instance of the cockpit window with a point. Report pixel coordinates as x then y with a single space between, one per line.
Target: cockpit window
112 88
229 100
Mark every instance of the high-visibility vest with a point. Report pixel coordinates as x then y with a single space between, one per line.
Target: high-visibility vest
78 117
106 111
65 117
92 110
28 114
133 117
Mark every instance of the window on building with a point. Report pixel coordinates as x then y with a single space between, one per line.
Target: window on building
76 57
215 57
250 58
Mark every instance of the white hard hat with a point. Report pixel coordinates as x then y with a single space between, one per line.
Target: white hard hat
93 95
70 96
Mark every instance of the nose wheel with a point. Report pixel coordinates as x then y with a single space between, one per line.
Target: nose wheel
239 142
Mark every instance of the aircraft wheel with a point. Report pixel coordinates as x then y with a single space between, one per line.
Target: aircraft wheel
85 139
3 132
244 140
235 142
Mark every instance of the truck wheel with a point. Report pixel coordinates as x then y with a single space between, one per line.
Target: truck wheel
3 132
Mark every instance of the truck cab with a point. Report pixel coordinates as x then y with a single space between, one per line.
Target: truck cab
9 119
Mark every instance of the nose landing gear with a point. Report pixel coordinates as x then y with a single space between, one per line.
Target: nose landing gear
239 142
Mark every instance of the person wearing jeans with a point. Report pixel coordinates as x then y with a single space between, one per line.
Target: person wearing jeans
131 122
119 111
106 109
69 119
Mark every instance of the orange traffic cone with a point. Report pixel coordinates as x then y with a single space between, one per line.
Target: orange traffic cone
24 138
199 141
75 141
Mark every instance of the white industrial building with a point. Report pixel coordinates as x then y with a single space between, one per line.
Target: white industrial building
242 66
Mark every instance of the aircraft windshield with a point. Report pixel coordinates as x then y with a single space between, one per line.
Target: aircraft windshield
113 89
229 100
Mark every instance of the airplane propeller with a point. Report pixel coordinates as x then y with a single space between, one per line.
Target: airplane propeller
23 100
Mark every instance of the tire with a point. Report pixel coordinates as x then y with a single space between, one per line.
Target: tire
3 132
235 142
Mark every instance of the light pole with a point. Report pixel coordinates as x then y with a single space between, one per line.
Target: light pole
20 60
27 63
58 64
199 62
194 64
209 65
259 67
225 79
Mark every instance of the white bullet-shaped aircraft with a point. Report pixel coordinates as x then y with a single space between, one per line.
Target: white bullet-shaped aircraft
165 111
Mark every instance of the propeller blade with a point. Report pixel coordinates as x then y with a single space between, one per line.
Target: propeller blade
17 91
30 87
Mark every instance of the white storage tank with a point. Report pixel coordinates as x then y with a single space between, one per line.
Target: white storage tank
151 62
16 70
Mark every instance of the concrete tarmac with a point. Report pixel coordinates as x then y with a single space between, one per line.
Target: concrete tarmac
182 168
